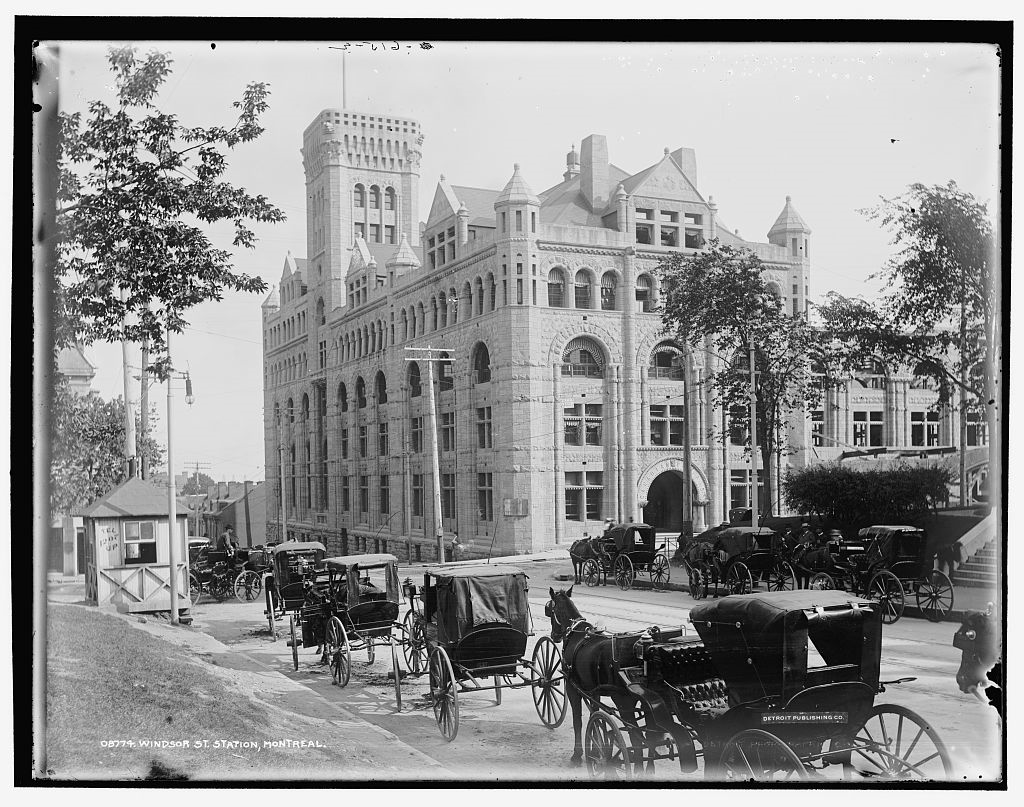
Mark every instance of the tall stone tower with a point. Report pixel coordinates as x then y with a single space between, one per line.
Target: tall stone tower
362 177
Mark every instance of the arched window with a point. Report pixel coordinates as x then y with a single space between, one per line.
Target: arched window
305 407
481 364
445 381
644 294
415 390
556 288
492 292
389 199
583 357
360 393
360 196
277 414
871 374
342 398
374 197
608 284
381 387
581 289
433 314
478 290
667 361
442 310
321 317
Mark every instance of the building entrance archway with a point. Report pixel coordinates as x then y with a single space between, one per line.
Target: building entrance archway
664 504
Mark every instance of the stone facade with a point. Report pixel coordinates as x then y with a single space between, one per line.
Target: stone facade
560 401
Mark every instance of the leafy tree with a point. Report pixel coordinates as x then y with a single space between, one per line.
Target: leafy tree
87 448
719 298
940 310
839 494
137 188
193 488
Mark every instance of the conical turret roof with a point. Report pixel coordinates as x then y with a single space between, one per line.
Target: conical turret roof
516 191
404 255
273 299
789 220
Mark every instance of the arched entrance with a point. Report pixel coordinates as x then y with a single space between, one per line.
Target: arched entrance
664 507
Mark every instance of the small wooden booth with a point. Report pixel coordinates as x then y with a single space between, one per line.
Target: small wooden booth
127 564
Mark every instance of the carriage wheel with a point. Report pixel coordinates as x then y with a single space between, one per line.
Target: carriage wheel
396 670
659 571
295 644
738 579
591 572
935 596
338 652
759 756
195 588
781 577
886 589
414 648
270 613
896 743
624 572
548 683
445 693
605 749
701 579
822 581
247 586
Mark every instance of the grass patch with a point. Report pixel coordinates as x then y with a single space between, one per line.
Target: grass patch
107 680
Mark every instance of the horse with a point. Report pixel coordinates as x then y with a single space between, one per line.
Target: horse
588 666
981 668
583 550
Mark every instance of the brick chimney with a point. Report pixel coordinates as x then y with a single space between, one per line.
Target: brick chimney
594 171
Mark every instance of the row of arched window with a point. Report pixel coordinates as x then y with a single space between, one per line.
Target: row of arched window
378 146
290 328
375 197
581 290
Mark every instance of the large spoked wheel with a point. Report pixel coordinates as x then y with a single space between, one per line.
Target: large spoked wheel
338 652
295 644
701 580
605 749
195 588
660 572
822 581
220 586
270 613
935 596
591 572
444 691
887 590
896 743
759 756
738 579
247 586
397 672
548 683
781 577
624 572
415 646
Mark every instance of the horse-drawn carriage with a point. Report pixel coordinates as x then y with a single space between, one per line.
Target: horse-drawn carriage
252 565
741 558
625 550
469 623
897 563
291 564
774 686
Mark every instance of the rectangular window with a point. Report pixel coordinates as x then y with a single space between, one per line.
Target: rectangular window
360 230
667 425
504 219
375 233
389 201
592 418
417 435
643 213
519 221
876 436
794 247
594 494
389 233
582 292
694 239
346 501
668 215
669 236
451 250
364 495
344 444
485 496
573 425
693 218
483 427
977 430
533 221
451 233
447 431
932 424
382 439
917 428
385 495
519 291
817 427
447 495
644 233
323 355
860 428
417 494
139 542
362 441
739 488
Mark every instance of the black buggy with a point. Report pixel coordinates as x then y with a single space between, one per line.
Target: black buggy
628 549
774 686
291 564
252 564
742 558
896 564
469 623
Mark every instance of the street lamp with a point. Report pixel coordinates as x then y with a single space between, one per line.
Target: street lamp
172 515
754 311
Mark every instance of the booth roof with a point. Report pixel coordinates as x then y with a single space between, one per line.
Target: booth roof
362 561
134 497
475 571
296 546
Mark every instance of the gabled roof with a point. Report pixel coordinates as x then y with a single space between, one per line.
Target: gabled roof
478 201
668 173
564 203
788 220
133 497
445 203
292 265
71 361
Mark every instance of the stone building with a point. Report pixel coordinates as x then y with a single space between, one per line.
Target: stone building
559 400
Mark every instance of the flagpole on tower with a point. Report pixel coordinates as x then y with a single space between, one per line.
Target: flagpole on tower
344 94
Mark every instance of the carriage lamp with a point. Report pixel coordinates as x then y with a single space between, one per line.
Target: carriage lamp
189 397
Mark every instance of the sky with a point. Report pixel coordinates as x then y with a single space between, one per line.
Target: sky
833 125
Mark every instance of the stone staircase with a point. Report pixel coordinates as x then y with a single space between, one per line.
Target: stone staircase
979 570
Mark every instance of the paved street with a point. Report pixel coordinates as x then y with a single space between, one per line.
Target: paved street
509 742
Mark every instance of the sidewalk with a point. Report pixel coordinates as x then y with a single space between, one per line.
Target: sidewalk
372 752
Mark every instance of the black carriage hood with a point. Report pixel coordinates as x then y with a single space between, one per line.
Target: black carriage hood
478 595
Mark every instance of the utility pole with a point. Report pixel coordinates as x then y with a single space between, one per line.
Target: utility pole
144 410
196 468
130 454
435 460
280 459
753 431
172 516
687 458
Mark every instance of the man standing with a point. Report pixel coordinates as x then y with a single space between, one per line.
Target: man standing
227 541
